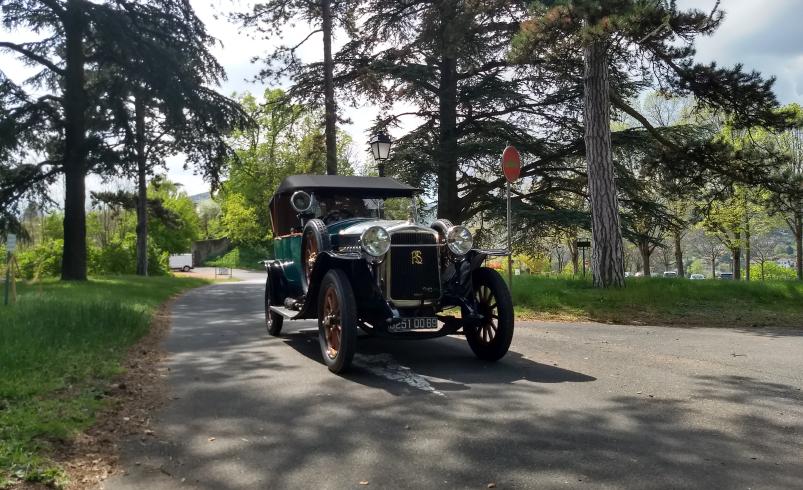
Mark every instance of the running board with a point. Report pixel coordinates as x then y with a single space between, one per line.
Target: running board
285 312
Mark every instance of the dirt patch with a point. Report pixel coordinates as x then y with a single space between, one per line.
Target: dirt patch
91 457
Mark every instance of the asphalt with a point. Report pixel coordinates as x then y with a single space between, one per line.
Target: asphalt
571 406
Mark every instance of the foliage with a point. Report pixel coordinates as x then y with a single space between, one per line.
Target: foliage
177 234
120 258
60 346
41 261
239 221
770 271
241 257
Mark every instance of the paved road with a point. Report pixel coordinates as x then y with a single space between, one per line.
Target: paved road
587 405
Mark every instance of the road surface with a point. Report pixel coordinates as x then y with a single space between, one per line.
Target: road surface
571 406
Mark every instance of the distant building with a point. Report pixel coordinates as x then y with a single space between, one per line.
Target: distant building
786 262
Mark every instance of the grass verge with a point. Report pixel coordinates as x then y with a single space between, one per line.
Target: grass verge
60 346
661 301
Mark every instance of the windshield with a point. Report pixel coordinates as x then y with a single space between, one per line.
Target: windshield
333 208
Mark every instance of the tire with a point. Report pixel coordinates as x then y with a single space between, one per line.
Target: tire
314 240
337 321
186 268
491 340
273 320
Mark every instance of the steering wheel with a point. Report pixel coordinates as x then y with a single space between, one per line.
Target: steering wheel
337 215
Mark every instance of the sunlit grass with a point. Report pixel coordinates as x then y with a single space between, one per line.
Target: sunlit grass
59 346
663 301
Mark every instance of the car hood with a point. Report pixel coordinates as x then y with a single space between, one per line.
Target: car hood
389 225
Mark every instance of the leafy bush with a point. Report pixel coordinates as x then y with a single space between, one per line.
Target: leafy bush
772 272
242 257
42 260
120 257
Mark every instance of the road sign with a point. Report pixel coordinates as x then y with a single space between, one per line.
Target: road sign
511 164
584 244
11 243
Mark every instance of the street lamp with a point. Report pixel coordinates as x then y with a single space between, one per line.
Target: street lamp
380 147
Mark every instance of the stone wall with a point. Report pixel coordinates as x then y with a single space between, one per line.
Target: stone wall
203 249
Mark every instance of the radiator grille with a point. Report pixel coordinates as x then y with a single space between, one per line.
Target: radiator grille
414 271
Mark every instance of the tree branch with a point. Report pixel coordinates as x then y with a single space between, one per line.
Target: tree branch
32 56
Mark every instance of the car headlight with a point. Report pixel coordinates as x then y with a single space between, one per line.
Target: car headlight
375 241
459 240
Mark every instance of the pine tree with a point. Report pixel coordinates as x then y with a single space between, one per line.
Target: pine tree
164 49
613 50
272 19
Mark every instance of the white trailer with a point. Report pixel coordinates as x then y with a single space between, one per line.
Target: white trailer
181 262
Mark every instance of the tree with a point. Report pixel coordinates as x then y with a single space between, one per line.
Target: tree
272 19
764 246
83 47
624 47
708 246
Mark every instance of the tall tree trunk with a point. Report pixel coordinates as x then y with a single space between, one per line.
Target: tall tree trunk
799 244
736 258
607 255
713 267
329 89
142 189
679 255
747 252
644 249
73 262
448 199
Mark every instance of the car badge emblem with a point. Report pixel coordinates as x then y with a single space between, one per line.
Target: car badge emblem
416 258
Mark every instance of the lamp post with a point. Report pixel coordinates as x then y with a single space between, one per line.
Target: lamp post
380 147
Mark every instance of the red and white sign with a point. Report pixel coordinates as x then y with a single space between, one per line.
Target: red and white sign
511 164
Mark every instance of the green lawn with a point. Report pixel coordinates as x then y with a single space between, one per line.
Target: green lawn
59 347
663 301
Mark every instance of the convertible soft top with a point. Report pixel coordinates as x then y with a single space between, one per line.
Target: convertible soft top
346 184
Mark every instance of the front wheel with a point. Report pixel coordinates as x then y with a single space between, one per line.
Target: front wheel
490 340
337 321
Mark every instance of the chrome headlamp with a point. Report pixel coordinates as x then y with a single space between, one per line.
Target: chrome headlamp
459 240
375 241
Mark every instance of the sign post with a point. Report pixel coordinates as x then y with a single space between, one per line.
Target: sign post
583 245
511 167
11 245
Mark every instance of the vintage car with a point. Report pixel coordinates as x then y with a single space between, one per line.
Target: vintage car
338 257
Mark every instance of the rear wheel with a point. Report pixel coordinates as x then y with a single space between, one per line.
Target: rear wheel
337 321
186 268
490 340
273 320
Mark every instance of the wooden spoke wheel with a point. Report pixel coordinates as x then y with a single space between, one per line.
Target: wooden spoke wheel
490 340
337 321
315 240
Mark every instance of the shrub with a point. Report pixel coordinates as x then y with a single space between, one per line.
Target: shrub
42 260
120 257
772 272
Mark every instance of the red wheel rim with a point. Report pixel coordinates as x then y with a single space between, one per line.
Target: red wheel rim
310 253
489 309
333 330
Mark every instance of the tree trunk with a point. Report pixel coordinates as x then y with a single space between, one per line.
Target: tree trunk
747 257
679 255
73 262
142 189
644 249
448 199
799 244
713 267
329 89
607 255
574 254
736 260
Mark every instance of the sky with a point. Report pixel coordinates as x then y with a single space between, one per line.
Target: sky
763 35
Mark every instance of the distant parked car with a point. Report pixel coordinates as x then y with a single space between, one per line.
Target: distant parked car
638 274
670 274
628 274
726 276
696 277
181 262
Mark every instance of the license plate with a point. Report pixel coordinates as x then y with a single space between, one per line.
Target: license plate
418 323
